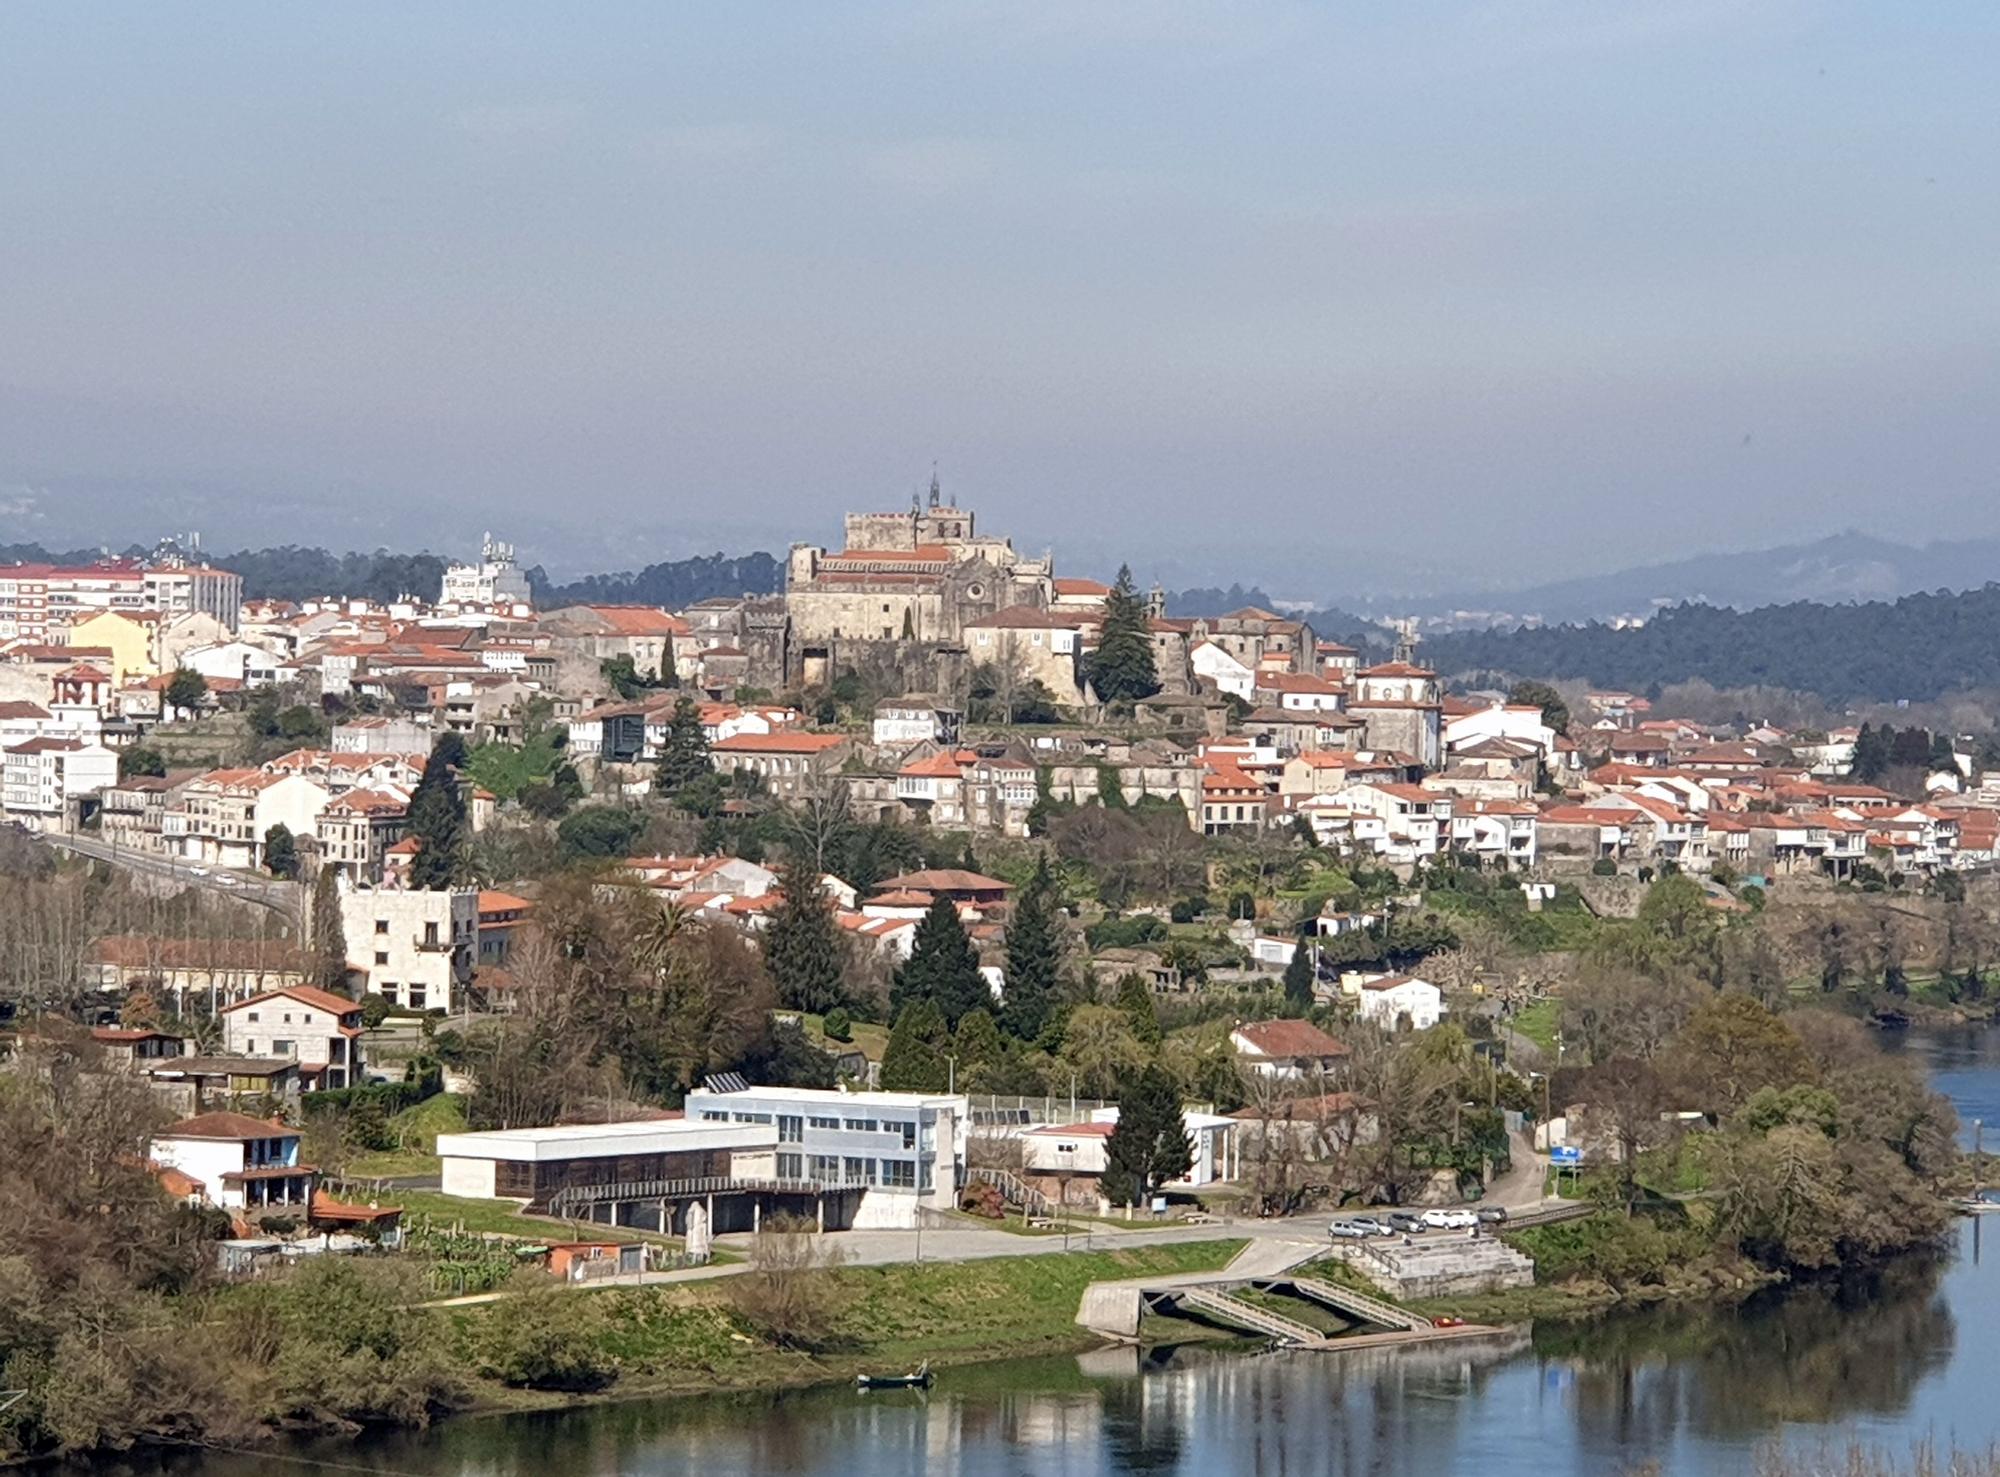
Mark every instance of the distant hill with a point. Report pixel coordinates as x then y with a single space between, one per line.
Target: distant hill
1919 647
1841 567
674 584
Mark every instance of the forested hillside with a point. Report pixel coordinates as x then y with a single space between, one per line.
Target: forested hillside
1919 648
674 584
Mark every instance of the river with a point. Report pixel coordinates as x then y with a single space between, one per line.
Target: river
1887 1361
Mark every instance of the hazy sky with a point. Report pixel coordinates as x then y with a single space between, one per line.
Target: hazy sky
1236 287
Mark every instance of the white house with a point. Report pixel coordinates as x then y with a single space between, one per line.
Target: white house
234 661
1391 999
237 1163
319 1030
1287 1050
1520 722
1212 663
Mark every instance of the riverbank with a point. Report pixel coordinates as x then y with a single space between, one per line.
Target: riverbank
695 1338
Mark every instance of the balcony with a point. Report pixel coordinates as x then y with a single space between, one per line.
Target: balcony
424 945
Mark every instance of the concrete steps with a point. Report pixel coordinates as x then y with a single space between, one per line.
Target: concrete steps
1356 1304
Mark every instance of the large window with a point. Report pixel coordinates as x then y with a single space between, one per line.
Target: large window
791 1167
899 1174
858 1171
791 1128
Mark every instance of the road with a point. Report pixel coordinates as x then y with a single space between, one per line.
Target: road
282 898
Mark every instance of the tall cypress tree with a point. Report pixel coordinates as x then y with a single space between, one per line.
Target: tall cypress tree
914 1060
684 756
1299 978
328 933
1122 669
803 947
437 818
1150 1145
943 967
1034 956
1135 1000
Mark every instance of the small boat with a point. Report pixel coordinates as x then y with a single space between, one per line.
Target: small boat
919 1378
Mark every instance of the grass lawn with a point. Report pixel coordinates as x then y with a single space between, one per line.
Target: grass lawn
1538 1022
869 1039
417 1127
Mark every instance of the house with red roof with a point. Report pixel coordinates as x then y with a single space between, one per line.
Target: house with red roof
1288 1050
248 1165
319 1030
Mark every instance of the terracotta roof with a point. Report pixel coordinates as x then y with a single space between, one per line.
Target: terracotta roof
1081 587
1288 1040
180 1185
311 995
494 901
119 1034
1396 669
1024 617
639 620
226 1127
944 879
777 743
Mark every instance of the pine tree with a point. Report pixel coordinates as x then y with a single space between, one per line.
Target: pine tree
1135 1000
1122 669
804 949
1299 978
328 934
668 677
914 1060
437 818
1871 754
1034 956
1150 1145
977 1043
684 756
943 967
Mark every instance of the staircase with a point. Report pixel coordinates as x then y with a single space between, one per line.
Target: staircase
1356 1304
1238 1314
1014 1189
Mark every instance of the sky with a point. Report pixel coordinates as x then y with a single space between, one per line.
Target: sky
1312 294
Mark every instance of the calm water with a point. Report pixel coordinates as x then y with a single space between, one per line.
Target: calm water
1888 1361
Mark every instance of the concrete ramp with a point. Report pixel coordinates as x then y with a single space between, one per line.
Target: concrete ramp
1357 1305
1220 1306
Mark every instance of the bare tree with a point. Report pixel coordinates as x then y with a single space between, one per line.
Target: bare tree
790 1294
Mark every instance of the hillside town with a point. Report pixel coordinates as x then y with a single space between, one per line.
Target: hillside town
941 891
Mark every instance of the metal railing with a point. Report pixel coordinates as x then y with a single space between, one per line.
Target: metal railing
686 1189
1014 1189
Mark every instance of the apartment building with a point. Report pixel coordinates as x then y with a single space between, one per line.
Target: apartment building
415 949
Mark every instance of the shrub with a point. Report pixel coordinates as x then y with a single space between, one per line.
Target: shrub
546 1338
788 1295
1604 867
839 1025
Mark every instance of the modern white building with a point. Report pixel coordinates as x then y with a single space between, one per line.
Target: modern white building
905 1149
533 1165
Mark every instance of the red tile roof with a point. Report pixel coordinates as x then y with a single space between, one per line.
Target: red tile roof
228 1127
1289 1040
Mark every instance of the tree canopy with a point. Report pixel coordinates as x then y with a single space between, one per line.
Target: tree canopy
1122 668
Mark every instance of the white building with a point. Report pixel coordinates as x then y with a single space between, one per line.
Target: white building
494 580
39 778
415 949
234 661
907 1149
1390 1000
1067 1161
535 1164
915 719
319 1030
236 1162
1212 663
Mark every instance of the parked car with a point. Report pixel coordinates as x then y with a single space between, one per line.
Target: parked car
1348 1231
1492 1215
197 871
1401 1222
1373 1225
1449 1220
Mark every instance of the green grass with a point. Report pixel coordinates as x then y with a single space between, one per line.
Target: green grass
689 1337
418 1127
869 1039
1538 1022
